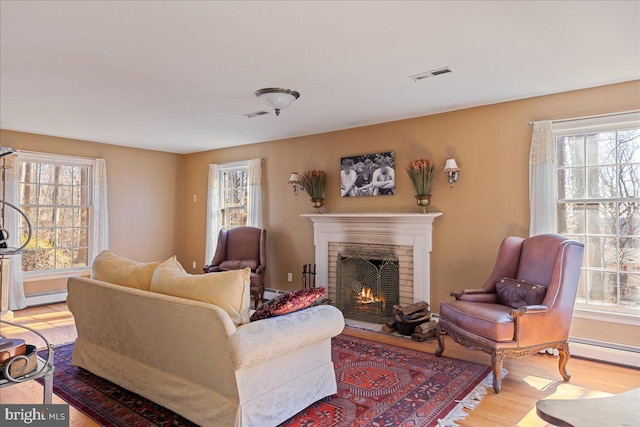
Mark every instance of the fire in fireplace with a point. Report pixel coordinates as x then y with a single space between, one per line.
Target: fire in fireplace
367 286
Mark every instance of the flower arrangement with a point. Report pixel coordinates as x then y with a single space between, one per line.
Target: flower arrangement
314 182
423 174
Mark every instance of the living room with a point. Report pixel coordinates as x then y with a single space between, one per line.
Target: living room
84 80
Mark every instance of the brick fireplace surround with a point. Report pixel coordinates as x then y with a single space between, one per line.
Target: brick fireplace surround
408 236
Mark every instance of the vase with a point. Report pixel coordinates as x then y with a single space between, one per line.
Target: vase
423 201
317 203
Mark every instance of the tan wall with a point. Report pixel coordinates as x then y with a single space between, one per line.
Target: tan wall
490 201
144 195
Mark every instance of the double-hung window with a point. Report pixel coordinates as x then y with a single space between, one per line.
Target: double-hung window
56 194
598 203
233 179
234 199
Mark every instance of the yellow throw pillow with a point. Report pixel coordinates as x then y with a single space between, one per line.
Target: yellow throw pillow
109 267
228 290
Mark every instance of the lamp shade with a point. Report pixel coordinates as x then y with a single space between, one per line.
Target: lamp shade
277 98
294 178
451 166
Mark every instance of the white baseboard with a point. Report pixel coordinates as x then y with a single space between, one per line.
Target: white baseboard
46 298
605 352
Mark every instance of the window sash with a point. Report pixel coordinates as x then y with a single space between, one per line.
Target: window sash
79 233
224 207
584 204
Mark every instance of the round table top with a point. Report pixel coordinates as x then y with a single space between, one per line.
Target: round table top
620 410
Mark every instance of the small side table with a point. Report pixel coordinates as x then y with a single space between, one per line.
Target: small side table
612 411
44 369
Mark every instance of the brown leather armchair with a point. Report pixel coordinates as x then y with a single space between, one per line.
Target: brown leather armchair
478 321
242 247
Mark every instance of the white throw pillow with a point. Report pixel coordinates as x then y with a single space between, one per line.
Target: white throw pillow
228 290
109 267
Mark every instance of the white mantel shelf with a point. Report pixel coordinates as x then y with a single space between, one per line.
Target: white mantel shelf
384 228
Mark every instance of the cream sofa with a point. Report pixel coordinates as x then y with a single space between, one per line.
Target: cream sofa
189 357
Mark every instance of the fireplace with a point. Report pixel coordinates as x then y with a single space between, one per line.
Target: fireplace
367 286
403 238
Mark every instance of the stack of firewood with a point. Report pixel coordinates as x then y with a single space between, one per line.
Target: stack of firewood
406 318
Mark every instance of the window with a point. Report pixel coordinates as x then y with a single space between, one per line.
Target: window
234 198
598 202
233 195
56 194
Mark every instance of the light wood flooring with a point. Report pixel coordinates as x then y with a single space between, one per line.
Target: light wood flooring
528 380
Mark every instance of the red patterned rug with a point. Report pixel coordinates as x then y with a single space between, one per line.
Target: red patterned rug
379 385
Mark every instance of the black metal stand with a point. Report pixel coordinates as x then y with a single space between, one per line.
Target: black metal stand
308 276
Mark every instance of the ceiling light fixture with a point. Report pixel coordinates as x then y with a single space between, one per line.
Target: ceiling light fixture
277 98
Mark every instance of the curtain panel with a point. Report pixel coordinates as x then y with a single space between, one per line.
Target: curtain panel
213 214
254 193
100 213
16 295
542 180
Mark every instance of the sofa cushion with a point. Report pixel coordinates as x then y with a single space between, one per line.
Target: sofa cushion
239 264
228 290
519 293
491 321
289 303
111 268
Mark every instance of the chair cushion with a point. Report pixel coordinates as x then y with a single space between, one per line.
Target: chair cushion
228 290
519 293
112 268
491 321
289 303
239 264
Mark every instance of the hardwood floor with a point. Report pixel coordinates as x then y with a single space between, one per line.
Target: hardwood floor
528 380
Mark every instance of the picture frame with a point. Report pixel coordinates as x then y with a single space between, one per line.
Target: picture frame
368 175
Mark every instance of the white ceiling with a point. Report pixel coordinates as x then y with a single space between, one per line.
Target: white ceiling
177 76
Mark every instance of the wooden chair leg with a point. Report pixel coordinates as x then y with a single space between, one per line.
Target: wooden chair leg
564 359
497 358
440 336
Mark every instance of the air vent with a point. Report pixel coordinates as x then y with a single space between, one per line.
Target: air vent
431 73
255 114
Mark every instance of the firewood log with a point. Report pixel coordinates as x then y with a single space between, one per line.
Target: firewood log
411 308
416 315
426 327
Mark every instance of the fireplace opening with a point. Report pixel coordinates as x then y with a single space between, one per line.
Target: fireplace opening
367 286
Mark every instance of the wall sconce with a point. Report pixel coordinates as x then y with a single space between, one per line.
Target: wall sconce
294 181
452 170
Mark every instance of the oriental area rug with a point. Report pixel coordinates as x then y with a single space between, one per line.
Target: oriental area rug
378 385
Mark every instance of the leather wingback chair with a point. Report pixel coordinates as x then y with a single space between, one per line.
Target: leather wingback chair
478 321
239 248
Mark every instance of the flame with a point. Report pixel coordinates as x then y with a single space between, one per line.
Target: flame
366 296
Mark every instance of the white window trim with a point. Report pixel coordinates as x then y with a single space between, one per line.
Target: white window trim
613 123
34 276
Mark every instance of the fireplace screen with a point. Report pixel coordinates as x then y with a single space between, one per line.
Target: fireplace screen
367 286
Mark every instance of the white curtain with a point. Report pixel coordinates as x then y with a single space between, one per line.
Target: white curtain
100 219
12 219
542 180
213 214
254 193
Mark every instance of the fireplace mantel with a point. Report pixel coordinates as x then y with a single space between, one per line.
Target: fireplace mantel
402 229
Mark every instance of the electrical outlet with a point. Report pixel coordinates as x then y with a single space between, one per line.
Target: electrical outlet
194 265
290 277
195 198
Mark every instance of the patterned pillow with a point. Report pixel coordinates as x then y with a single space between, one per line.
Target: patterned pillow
519 293
289 302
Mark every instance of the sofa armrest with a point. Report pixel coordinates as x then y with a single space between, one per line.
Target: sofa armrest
263 340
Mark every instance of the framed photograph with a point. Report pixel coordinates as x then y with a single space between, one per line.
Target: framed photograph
368 175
